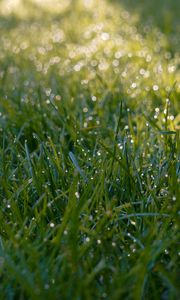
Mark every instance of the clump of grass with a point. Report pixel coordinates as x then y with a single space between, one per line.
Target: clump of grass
90 149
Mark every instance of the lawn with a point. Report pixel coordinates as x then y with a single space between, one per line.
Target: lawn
89 149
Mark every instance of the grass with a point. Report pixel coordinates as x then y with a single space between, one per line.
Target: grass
90 149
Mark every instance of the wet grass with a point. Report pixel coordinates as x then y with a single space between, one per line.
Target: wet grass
90 148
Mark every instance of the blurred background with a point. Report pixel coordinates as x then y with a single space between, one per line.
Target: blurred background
72 48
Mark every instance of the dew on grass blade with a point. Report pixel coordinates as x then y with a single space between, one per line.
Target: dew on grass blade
77 195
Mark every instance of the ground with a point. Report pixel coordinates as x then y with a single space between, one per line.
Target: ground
90 149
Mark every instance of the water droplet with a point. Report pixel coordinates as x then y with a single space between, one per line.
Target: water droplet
155 87
85 109
46 286
105 36
77 195
133 85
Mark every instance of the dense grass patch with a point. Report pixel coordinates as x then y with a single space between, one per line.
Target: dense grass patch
90 149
